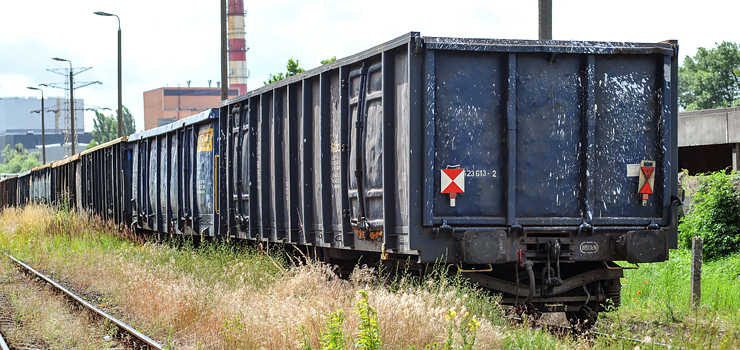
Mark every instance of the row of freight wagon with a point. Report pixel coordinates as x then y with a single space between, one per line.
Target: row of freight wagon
541 162
101 180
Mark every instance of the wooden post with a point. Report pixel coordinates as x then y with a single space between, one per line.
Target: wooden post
696 251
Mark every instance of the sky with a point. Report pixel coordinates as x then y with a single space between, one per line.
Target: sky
167 43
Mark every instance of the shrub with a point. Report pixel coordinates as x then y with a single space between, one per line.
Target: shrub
715 216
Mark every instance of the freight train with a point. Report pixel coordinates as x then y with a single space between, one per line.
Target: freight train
529 166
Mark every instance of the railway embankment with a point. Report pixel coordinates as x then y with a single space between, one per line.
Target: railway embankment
225 296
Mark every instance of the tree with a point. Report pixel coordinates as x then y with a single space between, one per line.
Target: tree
274 78
18 159
292 69
90 145
710 79
328 60
105 128
129 125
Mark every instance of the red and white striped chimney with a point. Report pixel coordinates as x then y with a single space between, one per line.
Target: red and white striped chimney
237 47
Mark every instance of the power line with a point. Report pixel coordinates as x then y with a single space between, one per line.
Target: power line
67 94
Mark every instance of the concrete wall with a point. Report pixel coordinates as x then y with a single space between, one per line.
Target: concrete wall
709 140
709 127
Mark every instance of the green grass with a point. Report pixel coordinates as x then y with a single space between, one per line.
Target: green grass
213 261
67 235
536 339
656 306
661 292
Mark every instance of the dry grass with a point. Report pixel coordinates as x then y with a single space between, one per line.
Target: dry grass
218 297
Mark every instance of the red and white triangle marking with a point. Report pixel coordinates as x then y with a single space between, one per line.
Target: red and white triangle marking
647 187
453 181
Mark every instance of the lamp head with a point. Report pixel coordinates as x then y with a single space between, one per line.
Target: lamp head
101 13
33 88
59 59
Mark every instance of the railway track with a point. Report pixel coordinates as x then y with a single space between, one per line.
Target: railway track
140 340
562 329
5 319
3 344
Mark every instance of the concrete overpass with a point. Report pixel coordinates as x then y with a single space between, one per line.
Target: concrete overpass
709 140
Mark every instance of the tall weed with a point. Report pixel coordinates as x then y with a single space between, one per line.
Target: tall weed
368 336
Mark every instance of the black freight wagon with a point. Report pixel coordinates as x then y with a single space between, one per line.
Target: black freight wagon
103 181
66 181
8 192
173 176
23 187
41 185
540 162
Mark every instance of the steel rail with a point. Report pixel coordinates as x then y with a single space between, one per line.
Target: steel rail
3 344
141 337
573 330
635 340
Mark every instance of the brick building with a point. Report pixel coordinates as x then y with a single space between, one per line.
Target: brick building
166 105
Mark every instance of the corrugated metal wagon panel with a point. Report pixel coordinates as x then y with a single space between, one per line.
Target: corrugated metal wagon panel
206 152
3 193
65 181
545 133
173 176
105 181
8 192
293 154
24 187
550 134
41 186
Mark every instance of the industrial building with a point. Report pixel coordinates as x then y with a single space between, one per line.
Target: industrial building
20 122
20 115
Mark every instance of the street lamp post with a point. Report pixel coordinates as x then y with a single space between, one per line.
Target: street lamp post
71 105
545 25
43 129
120 100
